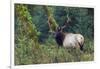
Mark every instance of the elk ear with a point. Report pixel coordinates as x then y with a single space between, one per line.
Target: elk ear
59 29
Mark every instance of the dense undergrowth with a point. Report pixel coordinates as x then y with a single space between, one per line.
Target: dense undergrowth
26 53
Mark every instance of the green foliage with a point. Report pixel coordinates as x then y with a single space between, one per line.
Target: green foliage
24 26
35 45
49 53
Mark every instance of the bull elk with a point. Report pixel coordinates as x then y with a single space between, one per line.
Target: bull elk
66 39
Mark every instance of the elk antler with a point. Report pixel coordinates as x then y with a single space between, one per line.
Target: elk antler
68 18
66 22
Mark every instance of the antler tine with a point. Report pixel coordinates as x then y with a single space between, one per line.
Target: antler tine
68 19
66 22
63 26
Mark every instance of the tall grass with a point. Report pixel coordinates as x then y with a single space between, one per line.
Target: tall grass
26 53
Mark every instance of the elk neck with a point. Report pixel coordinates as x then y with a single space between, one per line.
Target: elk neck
60 38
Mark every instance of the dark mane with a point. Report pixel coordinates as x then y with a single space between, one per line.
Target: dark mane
59 38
